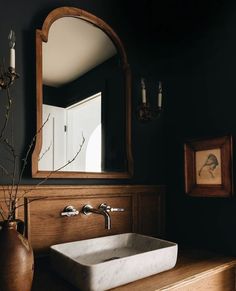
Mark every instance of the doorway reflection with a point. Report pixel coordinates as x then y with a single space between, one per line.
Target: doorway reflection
63 134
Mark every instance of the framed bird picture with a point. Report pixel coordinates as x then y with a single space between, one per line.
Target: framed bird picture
208 167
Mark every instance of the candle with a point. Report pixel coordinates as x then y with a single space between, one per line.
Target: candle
12 42
159 96
12 58
144 98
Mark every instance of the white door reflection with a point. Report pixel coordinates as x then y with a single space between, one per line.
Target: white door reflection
82 119
52 154
94 151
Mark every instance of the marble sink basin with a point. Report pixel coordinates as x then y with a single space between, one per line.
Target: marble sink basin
103 263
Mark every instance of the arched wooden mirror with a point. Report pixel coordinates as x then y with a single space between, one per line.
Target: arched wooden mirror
83 98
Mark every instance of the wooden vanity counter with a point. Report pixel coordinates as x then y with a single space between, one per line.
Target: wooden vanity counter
195 270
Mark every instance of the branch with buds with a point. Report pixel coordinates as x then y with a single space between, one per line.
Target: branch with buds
12 195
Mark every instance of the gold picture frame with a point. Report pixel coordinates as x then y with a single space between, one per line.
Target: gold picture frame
208 167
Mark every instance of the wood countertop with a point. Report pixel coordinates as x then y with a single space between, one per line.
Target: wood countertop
195 270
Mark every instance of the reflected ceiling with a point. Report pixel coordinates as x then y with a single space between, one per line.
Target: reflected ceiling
95 43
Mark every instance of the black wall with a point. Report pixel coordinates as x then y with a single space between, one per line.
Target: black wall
191 47
25 17
201 103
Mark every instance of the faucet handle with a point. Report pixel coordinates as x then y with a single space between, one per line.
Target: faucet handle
87 209
108 208
69 211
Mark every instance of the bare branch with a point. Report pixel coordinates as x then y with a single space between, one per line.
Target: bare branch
9 146
2 213
5 198
32 200
4 170
14 155
11 197
57 170
27 155
44 153
7 114
66 164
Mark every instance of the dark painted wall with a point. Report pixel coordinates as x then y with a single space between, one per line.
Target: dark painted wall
25 17
191 47
201 103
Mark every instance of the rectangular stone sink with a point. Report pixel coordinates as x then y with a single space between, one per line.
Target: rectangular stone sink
103 263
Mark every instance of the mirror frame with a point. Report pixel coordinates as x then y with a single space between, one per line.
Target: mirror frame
42 36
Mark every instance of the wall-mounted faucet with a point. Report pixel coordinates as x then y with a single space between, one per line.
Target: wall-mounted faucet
104 210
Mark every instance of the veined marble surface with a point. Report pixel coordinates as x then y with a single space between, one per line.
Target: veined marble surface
103 263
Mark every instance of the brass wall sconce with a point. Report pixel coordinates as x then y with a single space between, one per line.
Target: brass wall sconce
144 111
7 78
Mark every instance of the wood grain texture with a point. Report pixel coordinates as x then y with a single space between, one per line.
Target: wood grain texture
42 36
218 280
195 270
151 221
45 226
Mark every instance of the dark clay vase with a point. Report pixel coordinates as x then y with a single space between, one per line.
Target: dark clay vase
16 259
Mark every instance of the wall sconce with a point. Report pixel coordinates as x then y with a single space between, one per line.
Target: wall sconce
144 111
8 77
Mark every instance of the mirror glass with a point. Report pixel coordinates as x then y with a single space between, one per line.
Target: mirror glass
83 99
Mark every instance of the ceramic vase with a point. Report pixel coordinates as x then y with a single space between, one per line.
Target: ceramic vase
16 259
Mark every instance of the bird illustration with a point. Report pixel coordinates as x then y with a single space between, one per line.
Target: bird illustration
211 162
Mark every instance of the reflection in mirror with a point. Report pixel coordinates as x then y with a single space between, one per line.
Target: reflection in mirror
61 139
83 91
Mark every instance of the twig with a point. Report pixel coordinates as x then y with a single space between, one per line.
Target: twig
27 155
2 212
13 197
12 200
57 170
4 170
14 171
32 200
5 198
8 108
47 150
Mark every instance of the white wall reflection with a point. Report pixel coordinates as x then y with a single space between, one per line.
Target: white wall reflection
63 134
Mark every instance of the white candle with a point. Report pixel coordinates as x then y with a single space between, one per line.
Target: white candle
12 58
159 96
12 42
144 98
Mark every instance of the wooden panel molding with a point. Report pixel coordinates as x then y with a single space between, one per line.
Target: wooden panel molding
150 221
46 226
144 212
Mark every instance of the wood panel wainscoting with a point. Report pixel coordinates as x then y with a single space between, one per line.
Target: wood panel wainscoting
144 212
